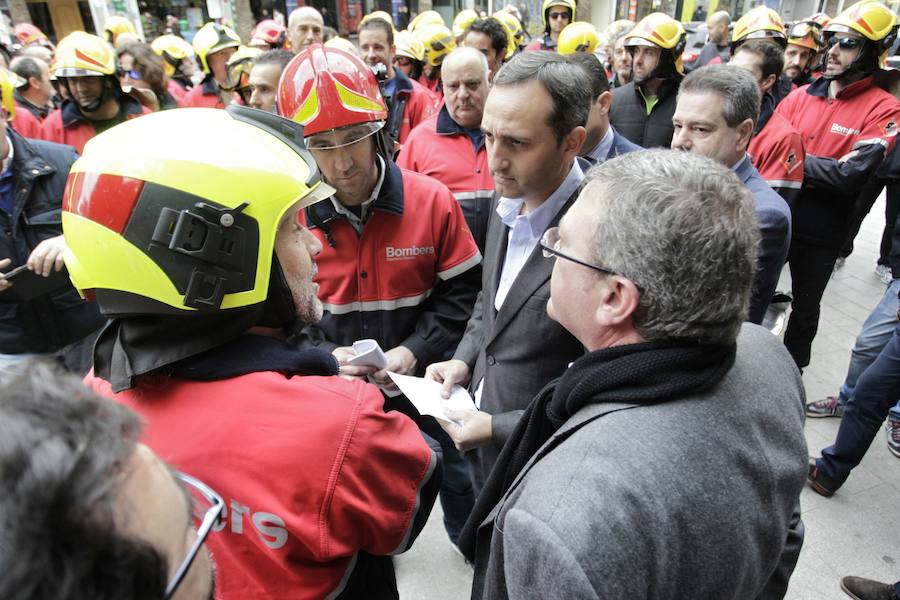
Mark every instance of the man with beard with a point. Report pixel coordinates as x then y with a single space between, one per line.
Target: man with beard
848 125
86 67
642 110
195 252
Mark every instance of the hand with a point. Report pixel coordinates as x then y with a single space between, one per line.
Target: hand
399 360
48 256
848 156
4 284
448 374
347 371
470 429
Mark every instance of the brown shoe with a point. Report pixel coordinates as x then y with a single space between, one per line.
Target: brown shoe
820 483
867 589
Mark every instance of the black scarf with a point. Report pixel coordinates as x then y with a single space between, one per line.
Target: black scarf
646 373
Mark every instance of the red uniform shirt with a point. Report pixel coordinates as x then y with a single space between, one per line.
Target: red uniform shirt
863 118
442 149
26 124
312 471
408 278
205 95
777 153
66 124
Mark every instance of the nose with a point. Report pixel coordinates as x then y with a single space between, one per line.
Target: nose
680 140
254 99
343 160
313 244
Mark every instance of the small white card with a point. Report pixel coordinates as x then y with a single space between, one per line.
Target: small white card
425 395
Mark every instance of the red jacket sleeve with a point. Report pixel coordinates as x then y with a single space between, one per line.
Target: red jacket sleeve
383 484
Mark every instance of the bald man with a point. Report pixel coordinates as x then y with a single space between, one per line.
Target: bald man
305 27
450 145
717 50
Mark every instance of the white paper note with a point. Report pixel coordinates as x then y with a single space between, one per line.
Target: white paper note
425 395
368 354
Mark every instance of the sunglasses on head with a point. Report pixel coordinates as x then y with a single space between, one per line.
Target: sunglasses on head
845 43
559 15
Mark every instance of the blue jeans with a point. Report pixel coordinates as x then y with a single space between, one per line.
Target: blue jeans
876 393
875 333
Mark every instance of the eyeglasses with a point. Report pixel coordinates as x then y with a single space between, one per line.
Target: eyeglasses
558 15
133 75
549 244
207 507
845 43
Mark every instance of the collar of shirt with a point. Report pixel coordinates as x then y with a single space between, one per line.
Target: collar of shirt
358 222
6 165
509 209
447 126
601 150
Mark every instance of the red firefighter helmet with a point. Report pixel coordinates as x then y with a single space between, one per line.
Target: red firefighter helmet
268 34
325 88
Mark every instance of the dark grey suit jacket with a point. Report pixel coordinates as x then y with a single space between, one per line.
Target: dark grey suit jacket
517 350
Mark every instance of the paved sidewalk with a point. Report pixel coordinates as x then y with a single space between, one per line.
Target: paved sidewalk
856 532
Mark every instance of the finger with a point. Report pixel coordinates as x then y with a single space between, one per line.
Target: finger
356 370
47 264
457 415
60 262
4 284
5 263
446 386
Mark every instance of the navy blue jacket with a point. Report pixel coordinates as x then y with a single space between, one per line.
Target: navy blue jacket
55 320
774 217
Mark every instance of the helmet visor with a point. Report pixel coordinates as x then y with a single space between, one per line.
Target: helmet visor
807 29
343 136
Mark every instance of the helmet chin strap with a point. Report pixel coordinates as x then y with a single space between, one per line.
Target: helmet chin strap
110 91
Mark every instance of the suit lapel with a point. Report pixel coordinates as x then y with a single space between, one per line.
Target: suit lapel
495 254
533 275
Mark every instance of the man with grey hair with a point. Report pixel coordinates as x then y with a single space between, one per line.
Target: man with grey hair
35 92
450 145
305 27
533 125
715 116
669 458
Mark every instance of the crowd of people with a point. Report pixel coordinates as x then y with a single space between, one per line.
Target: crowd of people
583 231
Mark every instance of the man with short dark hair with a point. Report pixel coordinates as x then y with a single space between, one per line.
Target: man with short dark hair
264 76
35 94
450 145
849 125
642 109
638 473
489 37
533 125
90 512
717 108
409 102
776 148
601 141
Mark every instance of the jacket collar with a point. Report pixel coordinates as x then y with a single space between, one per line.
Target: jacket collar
447 126
402 84
820 88
766 109
390 197
27 163
668 87
28 104
209 86
743 169
71 114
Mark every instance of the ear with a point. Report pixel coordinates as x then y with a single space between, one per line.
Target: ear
501 56
745 132
618 300
604 102
571 143
34 82
769 82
